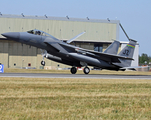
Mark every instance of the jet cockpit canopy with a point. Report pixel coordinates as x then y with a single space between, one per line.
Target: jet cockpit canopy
38 32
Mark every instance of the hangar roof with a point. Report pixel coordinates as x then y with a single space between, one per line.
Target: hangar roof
60 18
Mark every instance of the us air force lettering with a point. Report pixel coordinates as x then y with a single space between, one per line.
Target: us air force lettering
63 52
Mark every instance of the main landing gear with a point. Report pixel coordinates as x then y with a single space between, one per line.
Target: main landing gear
86 70
73 70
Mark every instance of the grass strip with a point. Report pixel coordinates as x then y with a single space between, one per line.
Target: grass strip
67 98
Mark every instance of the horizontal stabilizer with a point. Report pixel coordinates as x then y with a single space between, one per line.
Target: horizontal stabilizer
133 67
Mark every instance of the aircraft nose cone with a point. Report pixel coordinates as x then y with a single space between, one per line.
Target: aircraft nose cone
11 35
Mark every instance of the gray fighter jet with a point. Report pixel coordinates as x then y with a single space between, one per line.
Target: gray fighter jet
64 53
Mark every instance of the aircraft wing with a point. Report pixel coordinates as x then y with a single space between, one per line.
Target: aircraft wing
55 45
104 56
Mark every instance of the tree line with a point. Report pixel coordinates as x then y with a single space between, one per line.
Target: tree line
144 59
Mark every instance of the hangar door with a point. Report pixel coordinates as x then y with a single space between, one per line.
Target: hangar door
21 55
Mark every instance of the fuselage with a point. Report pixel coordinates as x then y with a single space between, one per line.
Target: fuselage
66 55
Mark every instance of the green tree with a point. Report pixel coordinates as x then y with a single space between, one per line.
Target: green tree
144 57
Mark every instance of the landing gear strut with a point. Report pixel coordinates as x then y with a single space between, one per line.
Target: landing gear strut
44 54
86 70
43 63
73 70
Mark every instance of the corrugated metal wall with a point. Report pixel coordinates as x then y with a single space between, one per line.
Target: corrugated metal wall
16 55
62 29
4 53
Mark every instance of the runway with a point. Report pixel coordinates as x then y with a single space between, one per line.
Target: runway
89 76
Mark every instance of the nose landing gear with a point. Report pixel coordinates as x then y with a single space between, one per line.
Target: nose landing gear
43 63
44 54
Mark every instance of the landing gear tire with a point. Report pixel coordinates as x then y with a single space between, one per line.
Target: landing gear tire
73 70
43 63
86 70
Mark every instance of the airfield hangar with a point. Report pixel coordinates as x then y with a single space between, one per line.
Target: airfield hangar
99 35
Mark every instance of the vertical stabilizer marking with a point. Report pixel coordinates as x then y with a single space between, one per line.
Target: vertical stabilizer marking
131 45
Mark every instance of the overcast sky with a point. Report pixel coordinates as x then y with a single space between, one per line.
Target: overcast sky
134 15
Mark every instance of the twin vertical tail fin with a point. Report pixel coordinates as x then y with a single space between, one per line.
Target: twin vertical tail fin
128 52
113 48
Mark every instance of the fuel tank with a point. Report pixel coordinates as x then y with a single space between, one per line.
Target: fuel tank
90 60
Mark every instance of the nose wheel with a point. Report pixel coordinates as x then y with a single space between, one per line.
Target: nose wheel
44 54
86 70
73 70
43 63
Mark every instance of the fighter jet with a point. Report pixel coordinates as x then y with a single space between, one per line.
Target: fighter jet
65 53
